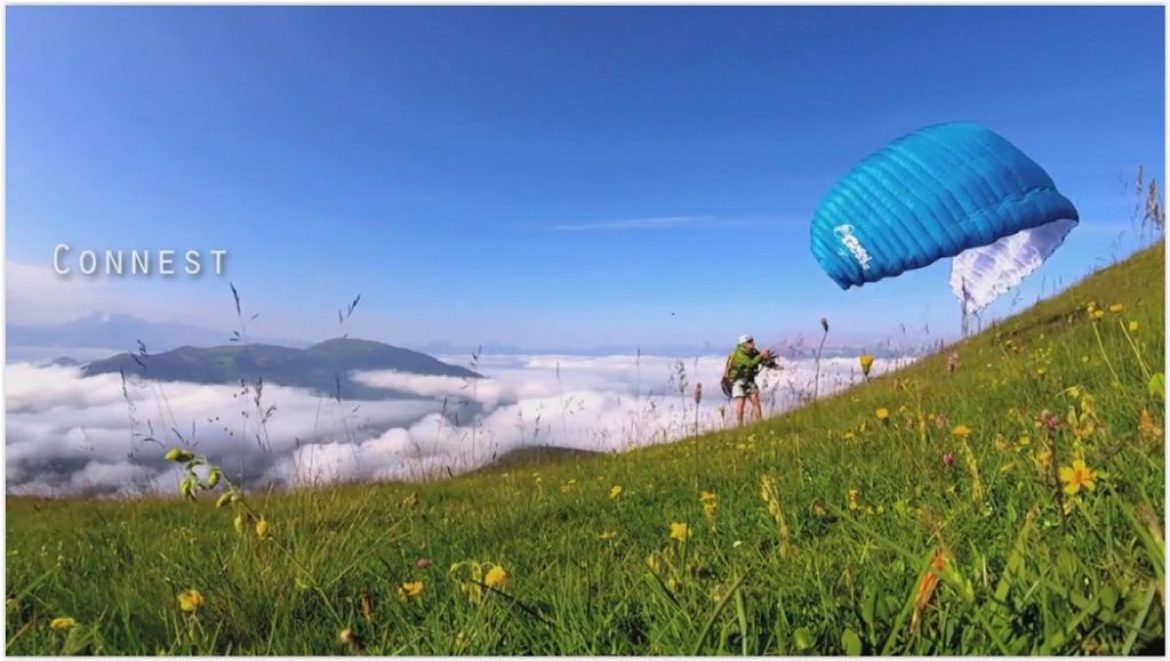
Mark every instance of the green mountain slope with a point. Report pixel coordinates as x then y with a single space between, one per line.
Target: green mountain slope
811 532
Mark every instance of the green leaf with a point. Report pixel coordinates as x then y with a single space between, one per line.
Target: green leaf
803 638
741 613
1109 598
868 603
886 606
79 639
851 643
1015 561
1157 385
715 614
1067 564
1139 619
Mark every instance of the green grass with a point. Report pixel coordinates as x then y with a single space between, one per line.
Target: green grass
835 574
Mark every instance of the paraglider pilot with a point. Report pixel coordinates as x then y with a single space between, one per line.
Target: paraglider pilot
739 375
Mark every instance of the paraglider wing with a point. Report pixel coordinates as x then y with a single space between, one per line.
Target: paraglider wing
980 275
950 190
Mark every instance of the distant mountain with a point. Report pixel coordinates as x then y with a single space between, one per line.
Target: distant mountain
322 367
122 332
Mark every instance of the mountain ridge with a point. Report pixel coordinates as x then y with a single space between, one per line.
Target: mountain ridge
325 367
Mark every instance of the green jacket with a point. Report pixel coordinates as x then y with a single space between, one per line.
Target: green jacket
742 365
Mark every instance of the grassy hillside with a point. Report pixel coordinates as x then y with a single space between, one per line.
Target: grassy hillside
812 532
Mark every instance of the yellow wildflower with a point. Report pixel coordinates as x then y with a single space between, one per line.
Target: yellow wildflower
615 491
854 497
409 590
771 497
1133 326
882 414
866 361
1077 476
262 528
709 504
1043 458
350 639
62 624
190 601
679 531
1097 314
1116 308
496 577
178 455
607 534
962 431
1000 442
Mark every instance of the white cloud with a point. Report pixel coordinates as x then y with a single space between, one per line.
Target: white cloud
69 434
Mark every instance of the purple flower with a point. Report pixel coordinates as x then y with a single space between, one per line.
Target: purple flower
1050 422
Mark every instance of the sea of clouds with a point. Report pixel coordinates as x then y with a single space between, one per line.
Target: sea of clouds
67 434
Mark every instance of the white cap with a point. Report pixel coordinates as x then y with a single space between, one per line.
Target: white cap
745 338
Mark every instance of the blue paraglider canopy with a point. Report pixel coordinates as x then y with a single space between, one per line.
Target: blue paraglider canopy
951 190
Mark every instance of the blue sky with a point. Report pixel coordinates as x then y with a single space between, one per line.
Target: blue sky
543 176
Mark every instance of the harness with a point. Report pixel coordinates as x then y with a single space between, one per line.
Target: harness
740 372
